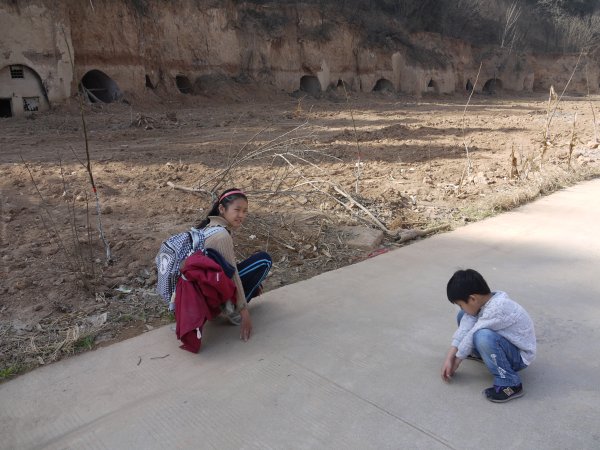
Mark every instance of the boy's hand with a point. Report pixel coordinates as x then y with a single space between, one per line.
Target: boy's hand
450 364
448 370
450 367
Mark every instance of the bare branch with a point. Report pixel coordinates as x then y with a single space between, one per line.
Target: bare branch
88 165
358 156
468 168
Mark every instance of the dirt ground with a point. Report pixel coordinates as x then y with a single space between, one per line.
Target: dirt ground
310 166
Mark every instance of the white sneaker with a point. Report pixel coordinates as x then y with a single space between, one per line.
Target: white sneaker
231 314
234 318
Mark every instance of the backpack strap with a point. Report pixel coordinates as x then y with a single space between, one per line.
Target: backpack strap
197 238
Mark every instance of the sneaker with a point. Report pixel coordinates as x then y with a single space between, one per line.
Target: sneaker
229 313
475 358
501 394
234 318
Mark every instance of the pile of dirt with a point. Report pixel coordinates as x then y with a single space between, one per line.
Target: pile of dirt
311 168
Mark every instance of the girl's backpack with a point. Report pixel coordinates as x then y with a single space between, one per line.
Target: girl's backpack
172 253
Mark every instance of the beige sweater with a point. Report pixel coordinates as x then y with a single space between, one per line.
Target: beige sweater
223 243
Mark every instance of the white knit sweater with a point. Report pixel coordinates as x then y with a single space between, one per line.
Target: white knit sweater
504 316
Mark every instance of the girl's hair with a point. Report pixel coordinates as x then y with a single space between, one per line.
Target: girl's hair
228 196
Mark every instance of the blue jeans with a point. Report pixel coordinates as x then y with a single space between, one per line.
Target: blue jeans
502 358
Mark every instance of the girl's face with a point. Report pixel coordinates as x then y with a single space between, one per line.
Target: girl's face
235 213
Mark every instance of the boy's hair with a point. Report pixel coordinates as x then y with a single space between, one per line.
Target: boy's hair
465 283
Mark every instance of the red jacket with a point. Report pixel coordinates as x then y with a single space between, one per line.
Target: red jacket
198 298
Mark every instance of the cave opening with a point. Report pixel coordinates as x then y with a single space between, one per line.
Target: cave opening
492 86
383 85
99 87
310 84
184 84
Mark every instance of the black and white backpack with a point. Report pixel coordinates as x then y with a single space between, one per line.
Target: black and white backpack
172 253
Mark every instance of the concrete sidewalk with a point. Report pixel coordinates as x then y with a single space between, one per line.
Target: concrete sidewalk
352 358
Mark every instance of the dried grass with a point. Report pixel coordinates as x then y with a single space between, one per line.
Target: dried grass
63 333
547 181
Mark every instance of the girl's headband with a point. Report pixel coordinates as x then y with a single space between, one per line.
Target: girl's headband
227 194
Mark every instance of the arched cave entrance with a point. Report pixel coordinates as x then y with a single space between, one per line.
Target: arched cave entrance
540 84
492 86
432 86
184 84
21 91
99 87
383 85
310 84
149 83
469 86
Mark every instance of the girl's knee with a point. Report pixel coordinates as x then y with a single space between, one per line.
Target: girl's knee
265 256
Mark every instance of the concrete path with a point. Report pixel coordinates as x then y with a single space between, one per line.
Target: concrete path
352 358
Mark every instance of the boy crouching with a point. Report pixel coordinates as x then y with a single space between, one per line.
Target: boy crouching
493 329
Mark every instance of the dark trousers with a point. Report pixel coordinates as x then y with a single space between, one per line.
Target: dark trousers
253 271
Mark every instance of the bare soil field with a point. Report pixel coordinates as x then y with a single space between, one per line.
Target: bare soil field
311 167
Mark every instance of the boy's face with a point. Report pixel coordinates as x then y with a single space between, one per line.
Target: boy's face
470 306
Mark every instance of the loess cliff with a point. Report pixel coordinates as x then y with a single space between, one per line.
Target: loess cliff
178 47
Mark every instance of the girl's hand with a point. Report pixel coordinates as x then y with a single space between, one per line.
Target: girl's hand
246 325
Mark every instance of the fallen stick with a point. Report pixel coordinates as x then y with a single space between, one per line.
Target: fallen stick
189 189
408 235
